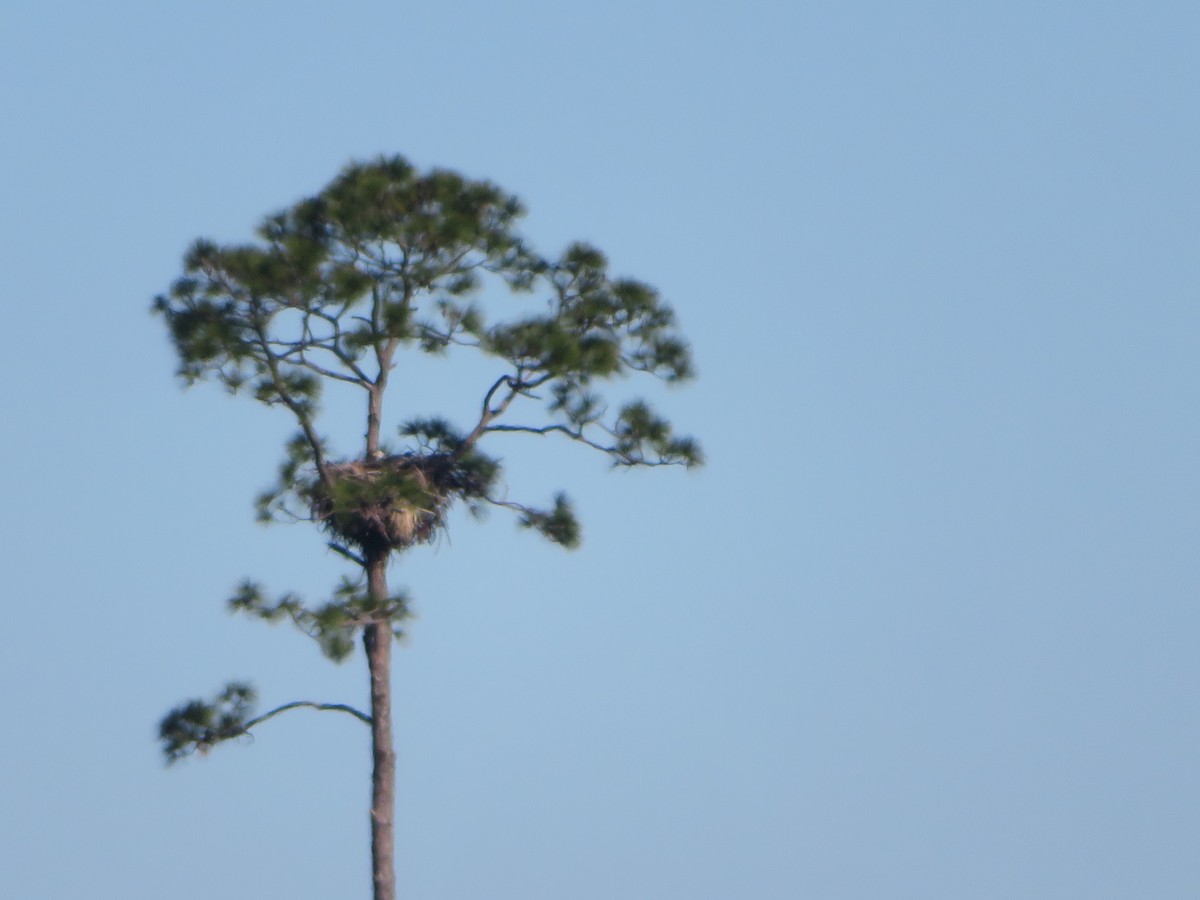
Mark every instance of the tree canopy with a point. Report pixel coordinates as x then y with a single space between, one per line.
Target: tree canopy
388 259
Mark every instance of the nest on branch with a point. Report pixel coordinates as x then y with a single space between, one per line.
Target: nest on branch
387 504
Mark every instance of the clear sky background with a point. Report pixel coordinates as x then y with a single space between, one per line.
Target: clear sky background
926 625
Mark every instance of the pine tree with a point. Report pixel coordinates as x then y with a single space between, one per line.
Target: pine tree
389 260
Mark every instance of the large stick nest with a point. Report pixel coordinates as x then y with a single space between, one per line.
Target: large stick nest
387 504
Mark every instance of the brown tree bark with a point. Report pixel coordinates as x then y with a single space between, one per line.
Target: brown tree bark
377 641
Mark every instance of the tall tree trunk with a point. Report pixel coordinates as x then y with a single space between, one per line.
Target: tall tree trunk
377 640
374 415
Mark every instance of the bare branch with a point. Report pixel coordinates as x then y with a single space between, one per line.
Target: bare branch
510 504
297 704
550 429
329 373
343 551
623 458
511 380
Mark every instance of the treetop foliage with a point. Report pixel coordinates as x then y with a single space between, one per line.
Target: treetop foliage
387 258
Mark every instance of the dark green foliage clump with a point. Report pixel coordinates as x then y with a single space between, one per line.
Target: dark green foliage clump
558 524
332 624
197 726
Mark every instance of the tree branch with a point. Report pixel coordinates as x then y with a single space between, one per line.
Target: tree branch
548 429
517 386
329 373
333 347
622 457
306 425
297 704
346 552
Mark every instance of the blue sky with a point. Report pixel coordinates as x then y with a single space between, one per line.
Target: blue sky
924 627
